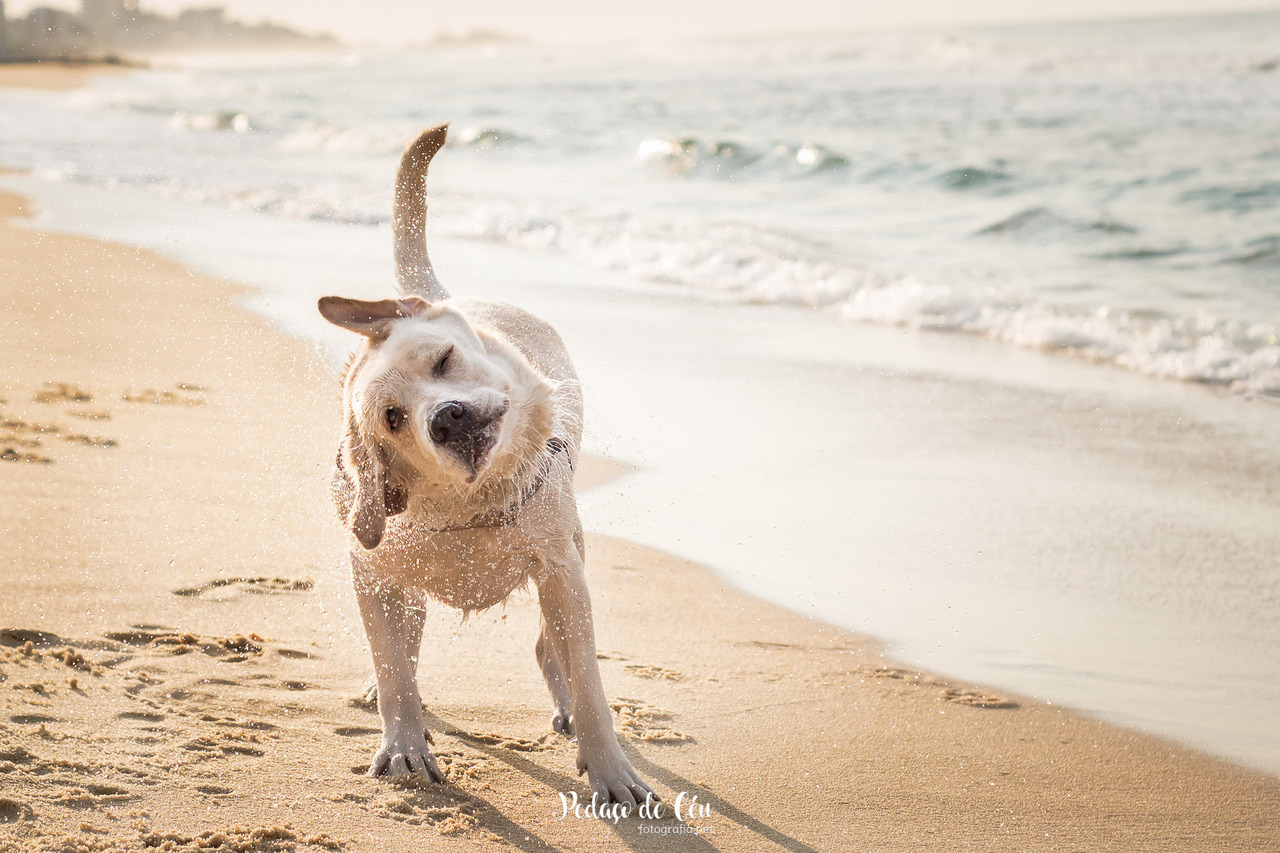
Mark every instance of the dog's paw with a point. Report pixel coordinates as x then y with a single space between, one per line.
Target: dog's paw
401 757
562 724
613 779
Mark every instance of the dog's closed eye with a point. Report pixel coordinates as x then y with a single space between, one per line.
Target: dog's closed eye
395 418
443 363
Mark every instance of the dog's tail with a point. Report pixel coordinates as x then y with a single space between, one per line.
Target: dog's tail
414 275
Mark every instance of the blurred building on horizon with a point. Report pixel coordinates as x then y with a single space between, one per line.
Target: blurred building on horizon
122 28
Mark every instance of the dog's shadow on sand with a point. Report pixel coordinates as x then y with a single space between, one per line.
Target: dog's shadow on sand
629 830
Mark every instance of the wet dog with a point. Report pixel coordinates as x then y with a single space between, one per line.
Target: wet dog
462 424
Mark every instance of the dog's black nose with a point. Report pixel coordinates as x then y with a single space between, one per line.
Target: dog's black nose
450 422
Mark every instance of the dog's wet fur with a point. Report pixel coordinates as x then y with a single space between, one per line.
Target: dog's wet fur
462 422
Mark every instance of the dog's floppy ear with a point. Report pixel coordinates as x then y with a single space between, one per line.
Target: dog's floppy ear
370 318
368 517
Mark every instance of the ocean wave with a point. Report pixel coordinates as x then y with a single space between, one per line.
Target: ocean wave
1236 198
1141 253
318 135
758 266
216 120
688 156
282 200
1040 222
972 178
1244 358
1262 251
486 137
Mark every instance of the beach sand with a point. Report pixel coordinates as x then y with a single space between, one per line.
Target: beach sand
53 76
181 660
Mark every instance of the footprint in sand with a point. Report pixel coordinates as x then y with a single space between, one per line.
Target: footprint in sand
225 743
12 454
515 744
90 440
19 440
213 790
15 755
296 655
639 720
355 731
895 673
184 394
143 716
448 810
251 725
13 811
655 672
22 636
61 392
976 699
94 796
140 636
235 649
765 644
227 589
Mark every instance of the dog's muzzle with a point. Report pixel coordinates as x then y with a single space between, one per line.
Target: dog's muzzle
467 432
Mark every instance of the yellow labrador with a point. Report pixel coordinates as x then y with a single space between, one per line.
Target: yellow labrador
463 421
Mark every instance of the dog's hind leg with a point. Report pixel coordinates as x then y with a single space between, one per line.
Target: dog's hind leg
545 651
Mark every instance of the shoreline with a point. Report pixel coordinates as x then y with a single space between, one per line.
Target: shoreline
795 732
58 75
1079 608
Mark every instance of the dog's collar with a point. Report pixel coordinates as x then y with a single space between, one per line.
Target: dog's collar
508 514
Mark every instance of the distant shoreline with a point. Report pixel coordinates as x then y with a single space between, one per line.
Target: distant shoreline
57 74
70 60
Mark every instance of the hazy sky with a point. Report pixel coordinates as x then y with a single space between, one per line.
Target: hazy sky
400 21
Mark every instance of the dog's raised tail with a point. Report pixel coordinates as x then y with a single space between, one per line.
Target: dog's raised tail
414 274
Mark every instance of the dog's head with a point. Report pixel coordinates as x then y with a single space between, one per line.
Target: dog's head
431 403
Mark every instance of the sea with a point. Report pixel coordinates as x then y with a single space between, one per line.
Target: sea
1099 197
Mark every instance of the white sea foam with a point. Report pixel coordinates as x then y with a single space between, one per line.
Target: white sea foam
210 120
759 266
317 135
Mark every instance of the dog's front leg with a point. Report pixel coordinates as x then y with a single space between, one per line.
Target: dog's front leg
390 625
566 607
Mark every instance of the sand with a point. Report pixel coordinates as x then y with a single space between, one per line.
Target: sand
181 662
53 76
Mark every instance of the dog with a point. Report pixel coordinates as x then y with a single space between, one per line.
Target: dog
462 424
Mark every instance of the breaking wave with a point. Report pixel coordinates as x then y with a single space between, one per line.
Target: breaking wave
318 135
756 265
759 266
1041 222
688 156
